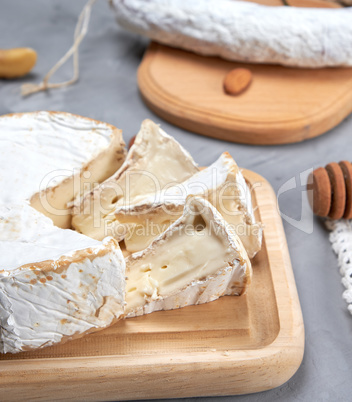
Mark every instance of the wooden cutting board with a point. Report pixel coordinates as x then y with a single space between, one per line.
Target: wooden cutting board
234 345
282 105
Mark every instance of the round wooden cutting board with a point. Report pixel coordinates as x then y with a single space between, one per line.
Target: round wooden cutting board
282 105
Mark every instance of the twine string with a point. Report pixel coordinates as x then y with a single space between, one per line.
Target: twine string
79 34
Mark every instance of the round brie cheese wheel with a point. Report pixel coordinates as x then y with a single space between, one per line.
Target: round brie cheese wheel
55 283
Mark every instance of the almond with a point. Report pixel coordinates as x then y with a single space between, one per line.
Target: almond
237 81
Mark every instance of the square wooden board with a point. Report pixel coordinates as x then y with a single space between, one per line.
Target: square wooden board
234 345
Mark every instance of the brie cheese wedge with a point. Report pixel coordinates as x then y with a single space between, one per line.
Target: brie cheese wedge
55 284
154 161
196 260
222 184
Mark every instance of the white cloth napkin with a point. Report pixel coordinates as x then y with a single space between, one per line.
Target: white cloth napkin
341 240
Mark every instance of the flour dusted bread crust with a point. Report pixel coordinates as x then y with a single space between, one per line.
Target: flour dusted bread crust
54 283
198 259
242 31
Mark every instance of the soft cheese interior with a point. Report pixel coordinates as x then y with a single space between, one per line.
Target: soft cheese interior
197 259
154 161
55 283
222 183
160 175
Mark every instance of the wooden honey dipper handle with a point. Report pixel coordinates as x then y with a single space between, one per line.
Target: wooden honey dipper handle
332 190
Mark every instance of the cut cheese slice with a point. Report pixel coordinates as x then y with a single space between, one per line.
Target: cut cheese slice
196 260
222 184
154 161
55 284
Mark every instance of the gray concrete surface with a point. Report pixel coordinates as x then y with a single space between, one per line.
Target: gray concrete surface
108 91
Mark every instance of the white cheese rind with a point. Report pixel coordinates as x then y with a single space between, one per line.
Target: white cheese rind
28 236
241 31
44 304
55 284
40 150
212 255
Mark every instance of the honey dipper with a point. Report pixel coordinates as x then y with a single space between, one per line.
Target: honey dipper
332 190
